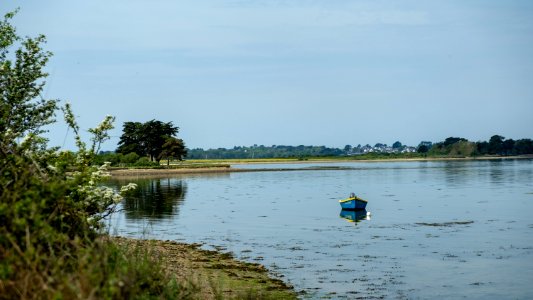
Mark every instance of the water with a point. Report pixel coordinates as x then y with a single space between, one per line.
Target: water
453 229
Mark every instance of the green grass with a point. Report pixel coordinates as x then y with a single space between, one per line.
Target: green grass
99 270
105 269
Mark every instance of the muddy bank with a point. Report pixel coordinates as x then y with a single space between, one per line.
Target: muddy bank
216 274
158 172
164 172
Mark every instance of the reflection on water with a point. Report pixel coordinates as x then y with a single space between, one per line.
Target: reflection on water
354 216
154 198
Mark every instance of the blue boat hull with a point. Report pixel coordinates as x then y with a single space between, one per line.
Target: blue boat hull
355 204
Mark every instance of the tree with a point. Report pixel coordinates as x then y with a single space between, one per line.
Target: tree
51 203
347 148
452 140
173 148
146 139
496 144
132 139
424 146
29 168
422 149
482 148
447 146
523 146
508 147
156 133
462 148
397 145
23 110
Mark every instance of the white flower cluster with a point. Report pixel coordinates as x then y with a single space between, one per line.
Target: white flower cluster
126 188
101 172
102 197
98 201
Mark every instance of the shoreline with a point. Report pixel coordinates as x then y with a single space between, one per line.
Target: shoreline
125 172
216 274
349 159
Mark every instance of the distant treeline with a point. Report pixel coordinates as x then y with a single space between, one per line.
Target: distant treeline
497 145
264 152
452 147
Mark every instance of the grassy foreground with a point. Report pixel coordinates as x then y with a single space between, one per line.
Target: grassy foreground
204 274
120 268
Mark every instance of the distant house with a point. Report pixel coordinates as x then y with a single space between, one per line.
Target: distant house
409 149
380 148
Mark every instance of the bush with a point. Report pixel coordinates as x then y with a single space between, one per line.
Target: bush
116 159
129 158
51 205
145 162
52 240
111 157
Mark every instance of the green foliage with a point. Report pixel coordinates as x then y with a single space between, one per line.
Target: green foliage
146 139
462 149
482 148
52 241
347 148
508 147
129 158
264 152
422 149
452 146
145 162
523 146
385 155
116 159
51 205
129 273
496 144
113 158
132 139
23 112
173 148
452 140
51 209
101 269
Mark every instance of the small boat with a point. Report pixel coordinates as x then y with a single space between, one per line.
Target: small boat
353 203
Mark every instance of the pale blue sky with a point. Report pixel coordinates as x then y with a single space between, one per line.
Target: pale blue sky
313 72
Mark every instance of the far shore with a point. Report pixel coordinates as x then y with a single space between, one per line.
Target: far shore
133 172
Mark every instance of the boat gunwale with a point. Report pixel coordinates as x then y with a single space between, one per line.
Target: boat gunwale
352 199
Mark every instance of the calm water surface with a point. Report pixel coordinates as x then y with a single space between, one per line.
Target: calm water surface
454 229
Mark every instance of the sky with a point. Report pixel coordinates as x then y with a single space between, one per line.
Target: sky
290 72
